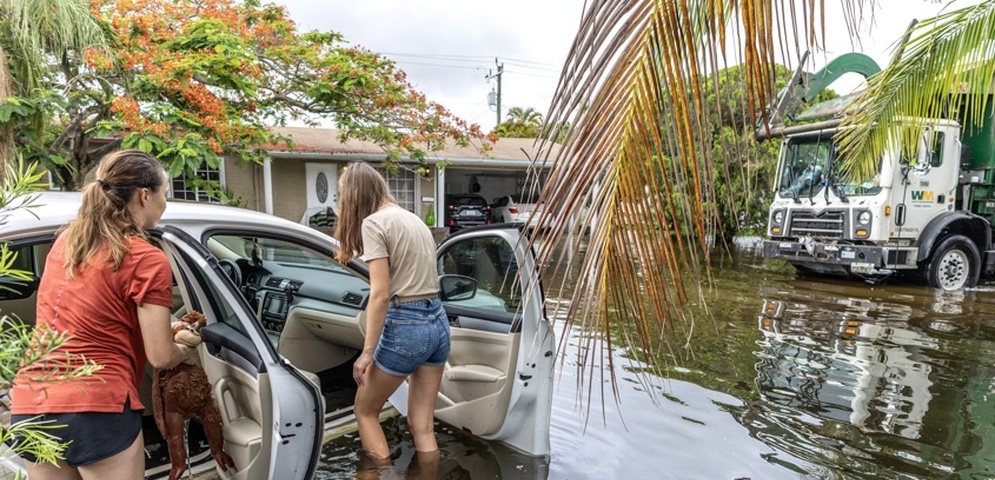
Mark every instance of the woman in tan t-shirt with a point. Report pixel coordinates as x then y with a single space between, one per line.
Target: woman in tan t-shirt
407 332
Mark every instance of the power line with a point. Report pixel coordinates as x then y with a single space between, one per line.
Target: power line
442 65
466 58
405 62
532 74
533 68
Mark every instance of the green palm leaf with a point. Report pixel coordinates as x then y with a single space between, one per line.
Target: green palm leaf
951 53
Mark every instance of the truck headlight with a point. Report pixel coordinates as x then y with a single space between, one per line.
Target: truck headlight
864 218
778 217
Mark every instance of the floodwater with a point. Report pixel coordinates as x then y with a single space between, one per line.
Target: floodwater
792 378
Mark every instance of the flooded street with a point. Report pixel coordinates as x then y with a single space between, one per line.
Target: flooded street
792 378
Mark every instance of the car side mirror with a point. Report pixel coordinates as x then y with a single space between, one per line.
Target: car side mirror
456 287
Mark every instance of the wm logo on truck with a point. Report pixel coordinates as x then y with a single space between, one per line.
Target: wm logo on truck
923 196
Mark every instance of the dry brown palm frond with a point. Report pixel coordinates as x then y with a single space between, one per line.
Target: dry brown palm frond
636 166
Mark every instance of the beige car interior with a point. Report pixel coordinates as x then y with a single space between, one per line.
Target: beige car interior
314 340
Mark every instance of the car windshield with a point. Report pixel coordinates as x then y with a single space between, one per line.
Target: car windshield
810 165
271 250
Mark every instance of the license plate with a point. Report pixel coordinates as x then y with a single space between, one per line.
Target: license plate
860 267
472 213
846 254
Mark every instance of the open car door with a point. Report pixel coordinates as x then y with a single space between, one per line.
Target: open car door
271 413
498 378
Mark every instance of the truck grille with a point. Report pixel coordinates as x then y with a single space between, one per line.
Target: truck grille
823 225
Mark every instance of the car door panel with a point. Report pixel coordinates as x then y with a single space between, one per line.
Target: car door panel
480 319
218 336
271 412
239 400
498 378
475 380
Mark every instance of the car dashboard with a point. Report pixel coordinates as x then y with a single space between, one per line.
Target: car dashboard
275 290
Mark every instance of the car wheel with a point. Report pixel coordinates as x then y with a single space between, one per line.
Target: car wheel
955 264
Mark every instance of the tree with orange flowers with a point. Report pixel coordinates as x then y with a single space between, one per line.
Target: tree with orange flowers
191 81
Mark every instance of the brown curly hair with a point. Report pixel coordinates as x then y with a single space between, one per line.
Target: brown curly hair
103 216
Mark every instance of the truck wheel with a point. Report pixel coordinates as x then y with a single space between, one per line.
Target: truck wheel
955 264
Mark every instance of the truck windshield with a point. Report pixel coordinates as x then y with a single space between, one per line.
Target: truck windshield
810 165
806 163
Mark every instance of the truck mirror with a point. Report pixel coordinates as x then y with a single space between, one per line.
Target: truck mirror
965 157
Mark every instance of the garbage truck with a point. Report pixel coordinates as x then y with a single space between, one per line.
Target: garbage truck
926 216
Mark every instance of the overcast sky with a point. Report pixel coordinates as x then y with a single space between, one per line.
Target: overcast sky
448 47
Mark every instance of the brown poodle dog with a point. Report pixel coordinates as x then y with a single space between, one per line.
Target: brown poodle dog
180 393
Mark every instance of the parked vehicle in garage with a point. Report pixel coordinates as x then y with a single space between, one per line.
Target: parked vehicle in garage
466 210
504 210
286 321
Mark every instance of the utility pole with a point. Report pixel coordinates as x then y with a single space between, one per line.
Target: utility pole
500 70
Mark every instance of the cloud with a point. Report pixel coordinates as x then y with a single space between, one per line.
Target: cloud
448 47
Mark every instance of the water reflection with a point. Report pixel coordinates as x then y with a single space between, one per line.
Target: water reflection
877 381
874 376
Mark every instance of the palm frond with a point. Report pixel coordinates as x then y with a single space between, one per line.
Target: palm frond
949 54
636 168
49 27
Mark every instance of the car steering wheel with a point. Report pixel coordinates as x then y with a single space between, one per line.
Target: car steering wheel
231 269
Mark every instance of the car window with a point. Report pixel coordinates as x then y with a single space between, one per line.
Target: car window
24 259
28 258
214 301
470 201
491 262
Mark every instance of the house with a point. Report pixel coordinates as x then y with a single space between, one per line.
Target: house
300 182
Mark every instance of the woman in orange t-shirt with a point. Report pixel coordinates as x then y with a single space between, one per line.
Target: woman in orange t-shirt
109 290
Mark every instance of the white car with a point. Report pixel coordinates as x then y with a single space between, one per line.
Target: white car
285 321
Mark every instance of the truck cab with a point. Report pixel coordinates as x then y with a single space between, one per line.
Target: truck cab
895 220
928 213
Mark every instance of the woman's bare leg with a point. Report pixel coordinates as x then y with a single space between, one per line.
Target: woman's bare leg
424 466
47 471
369 402
422 392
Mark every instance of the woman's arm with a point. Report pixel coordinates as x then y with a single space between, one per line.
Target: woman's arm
376 312
157 335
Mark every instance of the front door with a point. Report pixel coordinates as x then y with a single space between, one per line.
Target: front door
271 413
925 183
498 378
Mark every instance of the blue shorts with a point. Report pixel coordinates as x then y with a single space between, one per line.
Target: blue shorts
414 334
94 436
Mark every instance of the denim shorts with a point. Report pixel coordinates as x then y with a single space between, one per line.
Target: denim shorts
414 334
94 436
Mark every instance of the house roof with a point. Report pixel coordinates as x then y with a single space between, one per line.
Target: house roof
324 142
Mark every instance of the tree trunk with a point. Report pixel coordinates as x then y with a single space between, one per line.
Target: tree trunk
6 129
